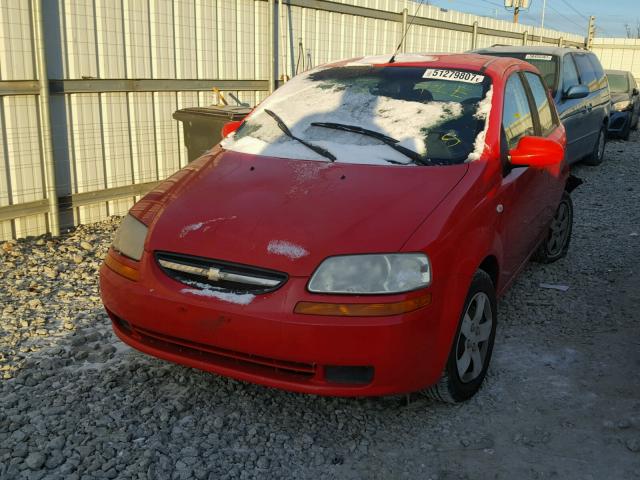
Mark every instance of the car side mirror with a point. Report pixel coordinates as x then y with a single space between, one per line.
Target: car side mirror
635 91
230 127
537 152
576 91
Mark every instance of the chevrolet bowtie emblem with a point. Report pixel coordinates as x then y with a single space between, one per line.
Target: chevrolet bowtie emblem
214 274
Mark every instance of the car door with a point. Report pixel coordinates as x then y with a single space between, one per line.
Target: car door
522 187
549 190
591 121
571 111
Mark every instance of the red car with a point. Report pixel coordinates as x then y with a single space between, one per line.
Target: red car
351 235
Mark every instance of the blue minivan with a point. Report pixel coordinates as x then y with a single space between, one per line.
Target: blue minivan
580 89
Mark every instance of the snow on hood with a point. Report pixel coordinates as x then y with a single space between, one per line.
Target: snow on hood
302 101
286 249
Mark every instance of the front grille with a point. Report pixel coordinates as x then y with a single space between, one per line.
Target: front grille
206 273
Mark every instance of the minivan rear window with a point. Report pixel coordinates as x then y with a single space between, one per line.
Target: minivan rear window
619 83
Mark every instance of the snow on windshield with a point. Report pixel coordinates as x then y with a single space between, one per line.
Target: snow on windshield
362 100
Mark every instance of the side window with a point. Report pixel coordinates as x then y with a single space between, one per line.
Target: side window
587 74
569 73
547 119
601 78
516 114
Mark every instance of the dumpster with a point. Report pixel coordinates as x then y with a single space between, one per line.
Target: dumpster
202 125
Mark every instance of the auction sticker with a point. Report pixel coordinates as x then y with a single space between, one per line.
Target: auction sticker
535 56
453 75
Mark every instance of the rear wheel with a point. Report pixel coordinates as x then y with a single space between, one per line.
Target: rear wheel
596 157
472 345
556 244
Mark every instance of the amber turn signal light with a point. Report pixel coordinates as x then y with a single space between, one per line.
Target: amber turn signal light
120 268
362 309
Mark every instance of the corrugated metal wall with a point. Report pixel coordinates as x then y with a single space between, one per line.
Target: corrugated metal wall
112 139
619 54
21 167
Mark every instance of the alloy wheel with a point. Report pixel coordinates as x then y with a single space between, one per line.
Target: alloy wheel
473 340
559 230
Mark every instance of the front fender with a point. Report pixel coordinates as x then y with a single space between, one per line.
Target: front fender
458 236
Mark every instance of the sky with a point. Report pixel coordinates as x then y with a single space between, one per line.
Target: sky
564 15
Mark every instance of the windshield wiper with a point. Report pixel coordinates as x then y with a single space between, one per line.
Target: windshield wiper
392 142
287 132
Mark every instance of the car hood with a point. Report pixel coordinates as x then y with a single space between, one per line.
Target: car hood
289 215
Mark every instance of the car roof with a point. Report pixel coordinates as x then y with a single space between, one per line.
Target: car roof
559 51
462 61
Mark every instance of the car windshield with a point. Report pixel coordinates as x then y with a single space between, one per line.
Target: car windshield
374 115
547 64
618 83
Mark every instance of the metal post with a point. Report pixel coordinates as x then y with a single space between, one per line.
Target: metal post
591 32
405 13
272 48
525 37
544 7
45 120
282 52
474 35
561 42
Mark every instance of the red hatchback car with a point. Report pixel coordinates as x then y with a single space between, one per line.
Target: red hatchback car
351 235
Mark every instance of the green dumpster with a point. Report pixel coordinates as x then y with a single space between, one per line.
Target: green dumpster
202 125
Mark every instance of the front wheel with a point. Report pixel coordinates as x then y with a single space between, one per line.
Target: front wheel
472 346
626 133
556 244
596 157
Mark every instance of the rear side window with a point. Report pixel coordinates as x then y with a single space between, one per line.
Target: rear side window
547 122
601 78
569 73
586 71
517 121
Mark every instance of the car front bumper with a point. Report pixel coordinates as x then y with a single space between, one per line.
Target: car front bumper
266 343
619 122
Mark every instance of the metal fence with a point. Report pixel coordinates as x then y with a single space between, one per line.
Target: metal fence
86 127
619 54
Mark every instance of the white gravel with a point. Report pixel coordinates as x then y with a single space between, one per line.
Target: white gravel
562 398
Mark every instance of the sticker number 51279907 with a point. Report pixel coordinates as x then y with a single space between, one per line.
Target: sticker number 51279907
453 75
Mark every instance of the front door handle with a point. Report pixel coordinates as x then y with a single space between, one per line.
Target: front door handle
589 108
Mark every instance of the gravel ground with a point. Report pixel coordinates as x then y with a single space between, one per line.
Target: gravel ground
562 399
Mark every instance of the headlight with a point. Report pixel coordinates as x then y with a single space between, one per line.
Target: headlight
622 106
129 238
362 274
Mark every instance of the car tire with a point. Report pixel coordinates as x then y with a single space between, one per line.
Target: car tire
596 157
556 243
626 133
472 346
